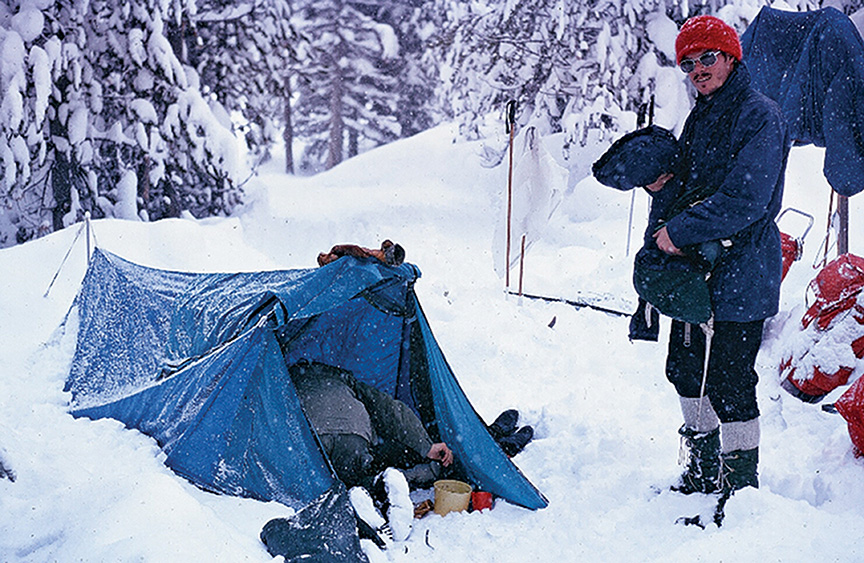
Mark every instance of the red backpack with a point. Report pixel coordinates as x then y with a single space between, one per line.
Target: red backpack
851 406
791 249
835 289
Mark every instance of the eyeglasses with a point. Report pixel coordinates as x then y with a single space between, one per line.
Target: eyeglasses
708 58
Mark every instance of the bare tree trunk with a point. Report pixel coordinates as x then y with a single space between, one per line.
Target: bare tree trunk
337 126
843 232
143 174
288 132
352 143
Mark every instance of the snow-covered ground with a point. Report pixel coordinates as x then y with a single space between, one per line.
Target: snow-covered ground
605 417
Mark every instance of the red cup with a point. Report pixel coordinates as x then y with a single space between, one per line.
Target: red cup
481 500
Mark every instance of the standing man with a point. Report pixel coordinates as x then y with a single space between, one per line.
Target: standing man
728 187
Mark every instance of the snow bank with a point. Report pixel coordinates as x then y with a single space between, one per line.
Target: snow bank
605 417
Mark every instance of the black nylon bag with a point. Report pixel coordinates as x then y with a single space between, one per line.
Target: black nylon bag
325 531
677 286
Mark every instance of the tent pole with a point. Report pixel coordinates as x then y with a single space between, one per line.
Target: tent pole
843 232
62 262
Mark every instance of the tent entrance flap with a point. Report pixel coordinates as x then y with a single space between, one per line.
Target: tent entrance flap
486 465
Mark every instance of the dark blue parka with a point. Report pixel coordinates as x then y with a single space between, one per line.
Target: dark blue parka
736 142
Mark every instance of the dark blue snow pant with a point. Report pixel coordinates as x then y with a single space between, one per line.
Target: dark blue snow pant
357 462
731 381
351 458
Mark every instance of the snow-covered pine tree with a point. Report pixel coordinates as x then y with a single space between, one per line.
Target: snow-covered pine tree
31 62
573 66
98 114
417 68
149 117
346 88
565 63
244 53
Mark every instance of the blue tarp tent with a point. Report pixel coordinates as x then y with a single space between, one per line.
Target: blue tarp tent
199 363
812 65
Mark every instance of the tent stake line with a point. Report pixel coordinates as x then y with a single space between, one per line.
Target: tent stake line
573 303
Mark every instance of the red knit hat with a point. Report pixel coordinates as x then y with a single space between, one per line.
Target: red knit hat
709 33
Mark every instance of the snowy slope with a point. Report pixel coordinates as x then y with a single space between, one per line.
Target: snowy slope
606 419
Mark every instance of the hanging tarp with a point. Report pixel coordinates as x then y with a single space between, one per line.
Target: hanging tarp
812 65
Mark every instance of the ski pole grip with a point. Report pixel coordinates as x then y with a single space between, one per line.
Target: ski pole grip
651 111
511 115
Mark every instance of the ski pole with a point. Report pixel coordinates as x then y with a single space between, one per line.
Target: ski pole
521 264
630 221
646 109
511 128
87 222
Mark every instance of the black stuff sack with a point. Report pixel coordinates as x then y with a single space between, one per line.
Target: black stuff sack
325 531
637 159
677 286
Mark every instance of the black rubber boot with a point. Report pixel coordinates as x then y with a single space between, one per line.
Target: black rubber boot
516 442
702 474
739 471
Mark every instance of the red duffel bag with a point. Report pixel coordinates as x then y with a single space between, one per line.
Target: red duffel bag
791 247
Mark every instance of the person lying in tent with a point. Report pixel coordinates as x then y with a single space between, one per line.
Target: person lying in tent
376 445
364 430
390 253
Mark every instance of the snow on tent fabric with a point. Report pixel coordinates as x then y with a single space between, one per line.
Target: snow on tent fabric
812 65
199 363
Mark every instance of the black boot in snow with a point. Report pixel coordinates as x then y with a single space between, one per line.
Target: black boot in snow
739 471
505 424
516 442
702 474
